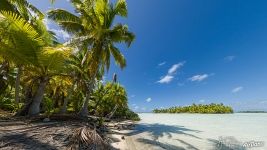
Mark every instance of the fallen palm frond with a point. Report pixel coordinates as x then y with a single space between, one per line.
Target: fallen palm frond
86 138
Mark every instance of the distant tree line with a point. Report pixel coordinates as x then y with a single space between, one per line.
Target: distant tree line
252 111
198 108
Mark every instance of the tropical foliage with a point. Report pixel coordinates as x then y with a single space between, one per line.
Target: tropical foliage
95 35
204 109
40 75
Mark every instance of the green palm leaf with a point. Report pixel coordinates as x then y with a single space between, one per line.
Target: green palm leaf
68 21
22 42
121 8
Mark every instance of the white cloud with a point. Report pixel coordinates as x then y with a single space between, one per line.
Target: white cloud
61 34
263 102
166 79
170 75
162 63
202 101
148 99
199 77
136 107
229 58
175 67
237 89
47 22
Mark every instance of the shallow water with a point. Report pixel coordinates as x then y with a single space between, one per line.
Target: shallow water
202 131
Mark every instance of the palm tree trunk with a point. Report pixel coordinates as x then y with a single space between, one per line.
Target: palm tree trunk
38 97
84 110
63 109
96 105
113 111
17 84
28 100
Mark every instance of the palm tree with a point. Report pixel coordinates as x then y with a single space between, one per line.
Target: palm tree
115 97
94 33
29 13
22 8
60 88
31 46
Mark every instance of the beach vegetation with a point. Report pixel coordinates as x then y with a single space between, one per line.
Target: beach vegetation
198 108
40 75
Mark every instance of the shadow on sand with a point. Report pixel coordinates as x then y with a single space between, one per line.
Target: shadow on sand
23 141
160 130
38 136
160 144
227 143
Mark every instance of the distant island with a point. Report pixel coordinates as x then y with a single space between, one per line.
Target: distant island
198 108
252 111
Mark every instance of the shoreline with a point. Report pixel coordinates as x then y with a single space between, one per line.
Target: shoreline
154 131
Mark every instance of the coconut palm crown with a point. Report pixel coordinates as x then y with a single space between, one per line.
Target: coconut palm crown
95 33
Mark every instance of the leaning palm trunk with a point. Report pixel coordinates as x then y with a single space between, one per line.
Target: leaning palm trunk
84 110
63 110
38 97
113 111
66 100
28 100
17 89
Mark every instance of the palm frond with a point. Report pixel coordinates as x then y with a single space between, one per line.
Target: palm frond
86 138
54 58
6 6
121 8
120 33
68 21
26 9
118 56
100 9
21 42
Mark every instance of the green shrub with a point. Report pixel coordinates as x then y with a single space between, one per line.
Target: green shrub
7 104
132 115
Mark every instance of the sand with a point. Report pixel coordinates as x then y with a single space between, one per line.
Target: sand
19 135
153 132
196 132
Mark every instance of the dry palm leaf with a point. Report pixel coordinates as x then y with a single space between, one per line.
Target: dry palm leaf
86 138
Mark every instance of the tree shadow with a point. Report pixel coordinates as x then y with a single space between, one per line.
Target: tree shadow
33 128
159 144
227 143
188 145
159 130
35 136
22 141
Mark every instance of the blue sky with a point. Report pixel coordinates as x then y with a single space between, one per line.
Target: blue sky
192 51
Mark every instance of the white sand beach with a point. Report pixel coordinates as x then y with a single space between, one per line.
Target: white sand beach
196 132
